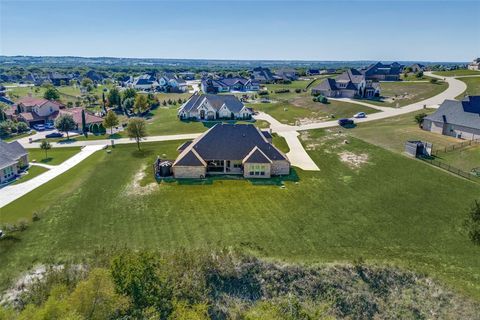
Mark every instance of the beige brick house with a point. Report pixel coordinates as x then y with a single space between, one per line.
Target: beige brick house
237 149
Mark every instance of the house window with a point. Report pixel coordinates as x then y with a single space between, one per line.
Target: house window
257 170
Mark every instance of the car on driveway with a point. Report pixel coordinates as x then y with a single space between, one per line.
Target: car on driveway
54 135
39 127
360 115
345 122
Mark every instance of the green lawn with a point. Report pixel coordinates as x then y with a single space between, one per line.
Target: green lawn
33 171
55 156
280 143
390 210
18 136
400 93
302 108
473 86
457 73
465 159
392 133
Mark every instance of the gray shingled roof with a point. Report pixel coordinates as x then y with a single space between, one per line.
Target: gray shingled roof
464 113
256 156
191 159
10 153
229 142
216 101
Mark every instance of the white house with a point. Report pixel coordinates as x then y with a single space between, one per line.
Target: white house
211 107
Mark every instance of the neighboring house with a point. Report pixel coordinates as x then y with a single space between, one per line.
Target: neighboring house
287 74
460 119
143 82
417 67
13 158
263 75
312 72
58 79
37 79
475 65
76 114
212 107
350 84
171 83
383 72
240 149
187 75
229 85
37 110
94 76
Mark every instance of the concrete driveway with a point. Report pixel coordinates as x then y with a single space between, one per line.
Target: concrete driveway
11 193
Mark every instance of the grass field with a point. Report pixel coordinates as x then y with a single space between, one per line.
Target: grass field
473 86
465 159
400 93
33 171
280 143
300 107
392 133
389 210
18 136
55 156
457 73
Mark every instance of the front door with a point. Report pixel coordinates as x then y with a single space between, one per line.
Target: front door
202 114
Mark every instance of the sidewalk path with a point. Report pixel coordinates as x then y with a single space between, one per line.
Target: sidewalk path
13 192
38 164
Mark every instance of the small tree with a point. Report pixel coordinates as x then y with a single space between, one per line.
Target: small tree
45 146
51 94
136 129
22 127
433 81
84 123
472 223
129 93
65 123
114 98
419 118
110 121
128 104
141 104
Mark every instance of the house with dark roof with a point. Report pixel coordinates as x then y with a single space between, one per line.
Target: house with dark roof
212 107
237 149
13 158
36 110
263 75
229 85
460 119
417 67
383 72
170 82
350 84
287 74
143 82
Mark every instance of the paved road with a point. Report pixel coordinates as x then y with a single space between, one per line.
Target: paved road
13 192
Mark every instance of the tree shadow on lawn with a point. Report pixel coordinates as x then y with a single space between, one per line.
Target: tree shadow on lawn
46 160
273 181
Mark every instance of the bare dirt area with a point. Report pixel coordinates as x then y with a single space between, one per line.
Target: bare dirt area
134 188
354 161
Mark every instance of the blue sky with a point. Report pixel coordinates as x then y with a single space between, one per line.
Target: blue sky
298 30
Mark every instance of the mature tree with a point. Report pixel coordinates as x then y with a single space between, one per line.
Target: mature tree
22 127
95 298
86 82
141 104
419 118
65 123
472 223
129 93
128 104
137 129
51 94
3 109
419 74
72 82
45 146
104 101
110 121
6 128
84 123
183 311
114 98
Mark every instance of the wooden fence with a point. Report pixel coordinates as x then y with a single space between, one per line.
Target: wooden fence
456 146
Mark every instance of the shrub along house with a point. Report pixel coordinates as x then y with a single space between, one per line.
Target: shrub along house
13 158
460 119
237 149
212 107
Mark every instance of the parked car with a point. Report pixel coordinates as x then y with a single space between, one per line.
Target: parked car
360 115
49 126
54 135
39 127
346 122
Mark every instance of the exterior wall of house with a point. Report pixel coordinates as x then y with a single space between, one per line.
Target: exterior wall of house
46 109
183 172
461 132
254 170
8 173
432 126
280 167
